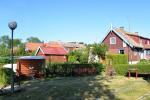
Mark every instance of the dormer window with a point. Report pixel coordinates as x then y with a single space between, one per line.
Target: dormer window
112 40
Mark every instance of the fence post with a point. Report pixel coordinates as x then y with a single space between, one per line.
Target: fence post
129 74
136 73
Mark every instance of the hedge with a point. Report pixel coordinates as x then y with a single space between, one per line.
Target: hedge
118 58
5 76
122 69
144 61
67 69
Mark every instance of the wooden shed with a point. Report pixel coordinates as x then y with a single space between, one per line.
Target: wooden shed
31 66
53 54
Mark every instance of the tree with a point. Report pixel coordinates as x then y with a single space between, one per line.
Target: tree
17 42
74 56
80 56
5 41
33 39
84 56
99 49
5 44
20 50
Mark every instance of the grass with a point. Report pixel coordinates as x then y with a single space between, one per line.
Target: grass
128 89
82 88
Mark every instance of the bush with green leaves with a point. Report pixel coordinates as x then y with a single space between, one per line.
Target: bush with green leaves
118 58
5 76
72 58
99 49
144 61
69 69
122 69
78 56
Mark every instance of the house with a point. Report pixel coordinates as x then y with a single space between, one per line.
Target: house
52 54
30 47
120 41
69 46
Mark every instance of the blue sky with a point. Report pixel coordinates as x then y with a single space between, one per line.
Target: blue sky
73 20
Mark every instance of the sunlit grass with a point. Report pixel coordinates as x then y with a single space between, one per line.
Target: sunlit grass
82 88
128 88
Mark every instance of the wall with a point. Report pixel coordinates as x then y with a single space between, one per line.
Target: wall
53 58
114 48
56 58
24 64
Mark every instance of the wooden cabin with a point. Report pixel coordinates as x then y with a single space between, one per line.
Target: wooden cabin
53 54
31 66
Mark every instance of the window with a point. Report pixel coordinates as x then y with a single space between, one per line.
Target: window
113 40
148 52
121 51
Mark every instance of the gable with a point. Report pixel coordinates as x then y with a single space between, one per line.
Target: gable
39 51
118 40
52 50
120 35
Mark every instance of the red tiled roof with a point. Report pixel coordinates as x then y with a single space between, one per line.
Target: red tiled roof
133 38
35 46
32 46
54 50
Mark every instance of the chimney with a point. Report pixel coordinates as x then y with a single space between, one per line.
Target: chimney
122 28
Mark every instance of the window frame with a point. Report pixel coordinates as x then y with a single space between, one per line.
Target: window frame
121 50
111 38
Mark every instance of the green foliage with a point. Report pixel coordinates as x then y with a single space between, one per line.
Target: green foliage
78 56
5 41
5 76
33 39
118 58
5 45
122 69
72 58
68 69
84 56
4 60
20 50
99 49
144 61
4 51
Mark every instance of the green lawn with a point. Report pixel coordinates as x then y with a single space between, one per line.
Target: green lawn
83 88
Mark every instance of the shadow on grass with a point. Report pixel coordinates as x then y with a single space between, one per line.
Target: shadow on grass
65 88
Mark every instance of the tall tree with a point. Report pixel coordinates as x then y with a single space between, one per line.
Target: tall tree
99 49
17 42
5 41
33 39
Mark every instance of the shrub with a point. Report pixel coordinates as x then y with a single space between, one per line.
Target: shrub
144 61
4 60
118 58
122 69
72 59
68 69
5 76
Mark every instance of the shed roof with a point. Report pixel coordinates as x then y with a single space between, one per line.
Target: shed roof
52 50
31 57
